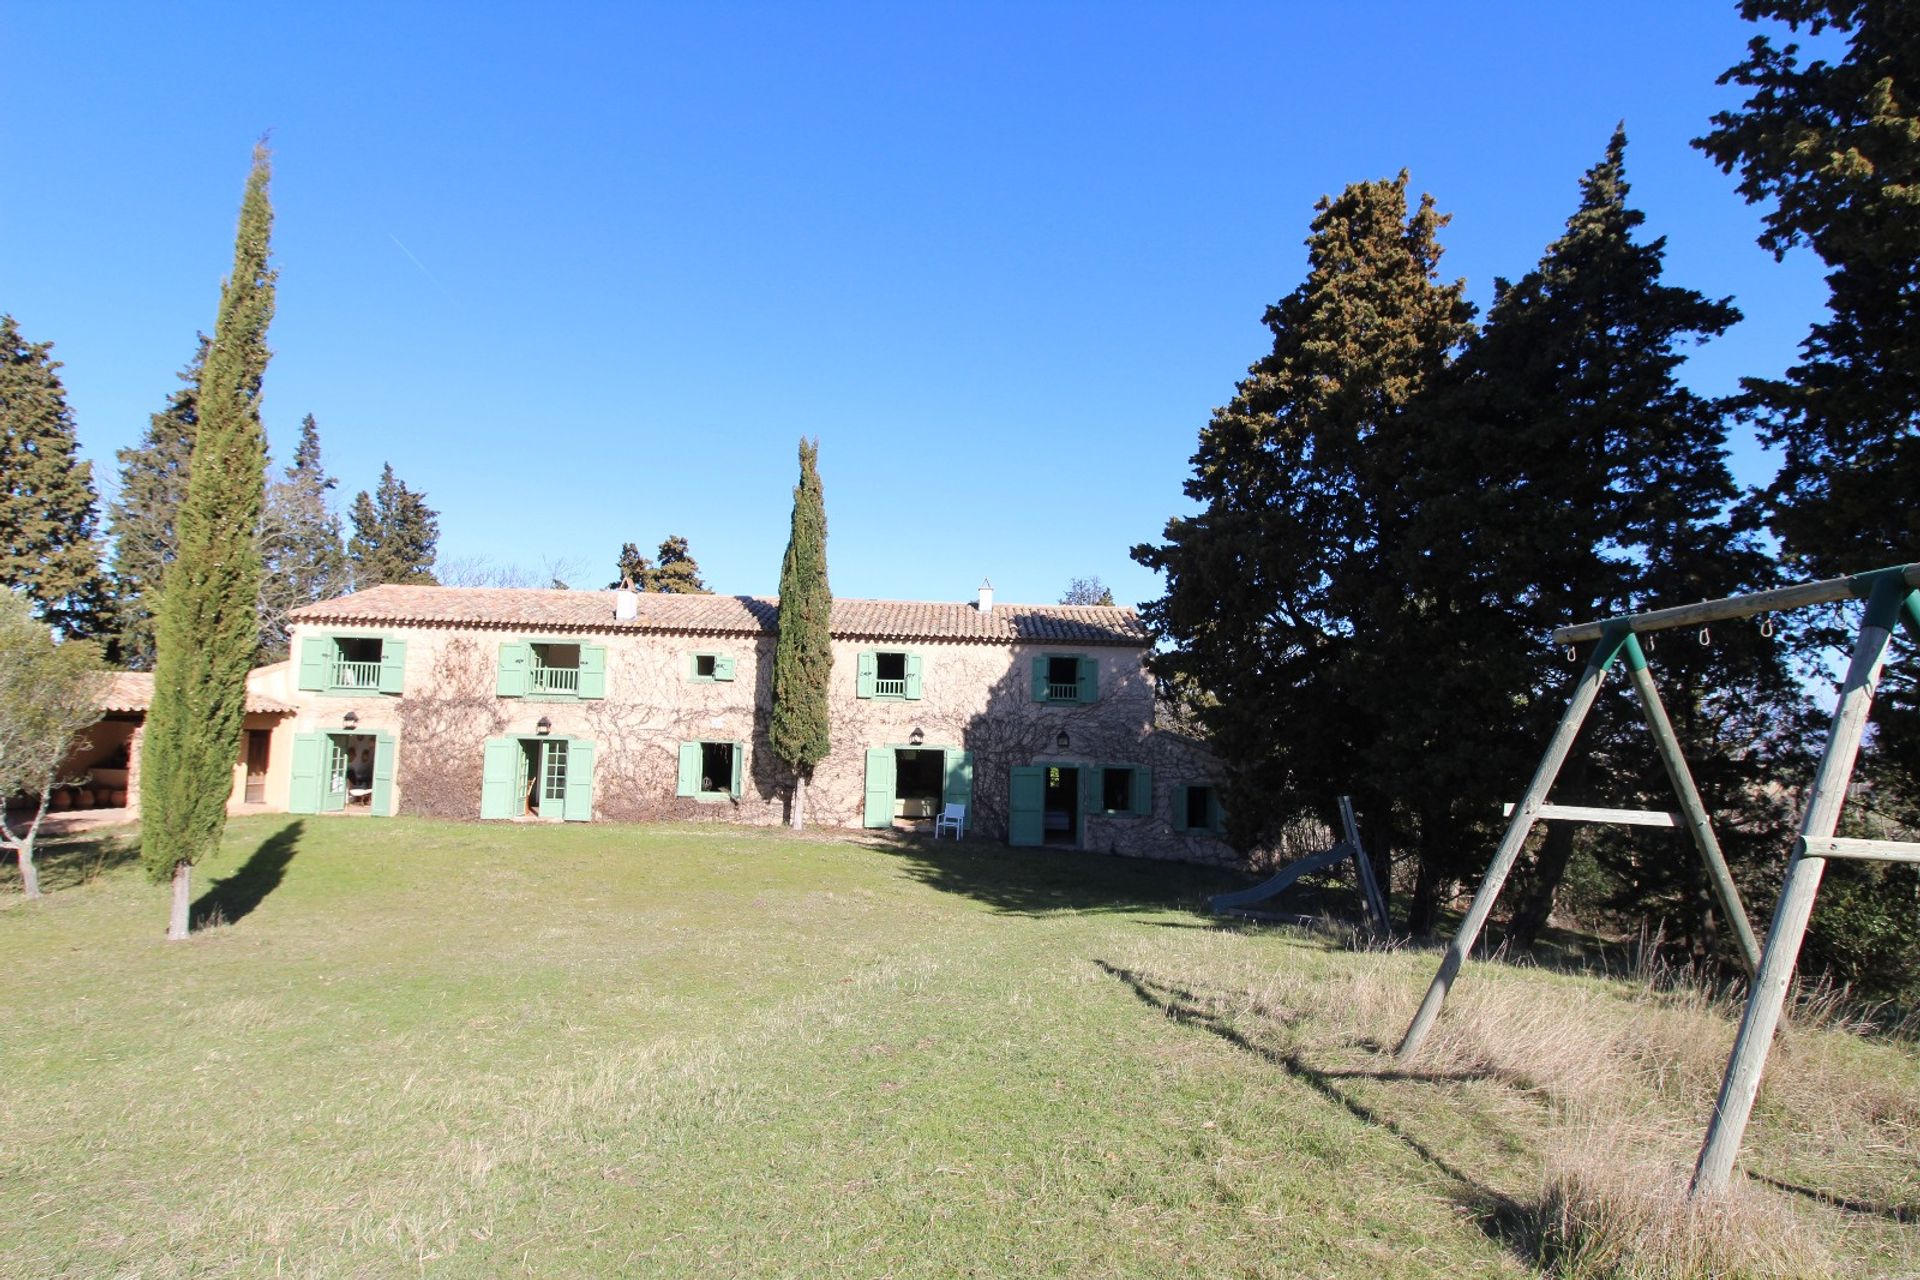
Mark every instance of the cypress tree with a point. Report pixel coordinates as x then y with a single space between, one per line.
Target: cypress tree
803 655
143 521
48 508
395 535
208 620
300 548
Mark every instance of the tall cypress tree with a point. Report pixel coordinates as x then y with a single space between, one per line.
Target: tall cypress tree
395 535
143 521
208 624
48 508
301 552
803 655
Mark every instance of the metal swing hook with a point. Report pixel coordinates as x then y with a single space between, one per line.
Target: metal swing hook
1766 626
1705 638
1572 655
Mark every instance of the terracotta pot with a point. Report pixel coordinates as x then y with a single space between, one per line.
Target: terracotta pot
60 799
83 798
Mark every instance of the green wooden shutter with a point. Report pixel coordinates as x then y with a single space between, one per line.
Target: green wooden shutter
881 786
1027 804
723 666
1040 679
499 770
913 676
316 666
1216 816
689 781
303 794
1179 814
1089 679
1142 791
333 798
739 769
959 783
381 805
593 671
393 665
516 657
1091 801
579 802
865 673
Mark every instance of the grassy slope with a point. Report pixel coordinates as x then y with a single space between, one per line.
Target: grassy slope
476 1050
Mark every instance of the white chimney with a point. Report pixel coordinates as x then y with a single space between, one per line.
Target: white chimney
986 596
626 605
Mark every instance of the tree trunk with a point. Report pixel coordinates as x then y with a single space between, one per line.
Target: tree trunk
1536 904
182 901
1423 907
29 874
799 801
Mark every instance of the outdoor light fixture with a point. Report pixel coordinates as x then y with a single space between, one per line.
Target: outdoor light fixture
543 724
917 737
351 720
1062 741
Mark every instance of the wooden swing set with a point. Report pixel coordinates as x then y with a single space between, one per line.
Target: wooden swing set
1891 600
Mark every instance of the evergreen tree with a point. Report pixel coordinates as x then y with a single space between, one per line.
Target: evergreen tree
143 521
48 509
1277 593
635 570
1566 474
395 534
803 655
676 571
300 549
1087 591
1835 145
208 623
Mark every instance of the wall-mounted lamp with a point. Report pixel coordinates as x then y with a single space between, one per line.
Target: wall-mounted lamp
1062 741
918 736
543 724
351 720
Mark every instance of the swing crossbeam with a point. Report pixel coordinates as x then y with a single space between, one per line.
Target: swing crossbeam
1587 813
1892 597
1754 603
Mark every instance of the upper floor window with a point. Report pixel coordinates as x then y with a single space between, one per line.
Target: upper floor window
552 669
887 673
1066 677
712 667
352 664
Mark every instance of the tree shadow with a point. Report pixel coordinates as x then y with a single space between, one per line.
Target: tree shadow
1503 1219
1034 882
232 898
67 862
1903 1213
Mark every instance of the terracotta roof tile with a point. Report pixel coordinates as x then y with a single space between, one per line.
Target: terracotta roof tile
531 608
133 691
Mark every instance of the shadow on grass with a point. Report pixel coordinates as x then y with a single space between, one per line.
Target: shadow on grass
67 862
232 898
1505 1220
1894 1212
1034 882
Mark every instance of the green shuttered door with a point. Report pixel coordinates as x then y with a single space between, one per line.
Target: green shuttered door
1027 805
382 800
959 783
579 805
593 671
303 795
881 785
498 774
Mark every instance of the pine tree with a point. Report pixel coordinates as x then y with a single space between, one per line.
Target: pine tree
395 535
300 548
803 655
208 624
48 508
1566 474
634 569
676 571
1277 592
143 521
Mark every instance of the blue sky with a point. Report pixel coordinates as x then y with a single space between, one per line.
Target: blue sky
585 273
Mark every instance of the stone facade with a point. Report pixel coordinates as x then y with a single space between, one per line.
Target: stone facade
976 695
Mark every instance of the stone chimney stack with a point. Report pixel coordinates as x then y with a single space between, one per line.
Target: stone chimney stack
986 597
626 603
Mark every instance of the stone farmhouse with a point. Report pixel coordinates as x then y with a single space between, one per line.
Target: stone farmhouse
524 705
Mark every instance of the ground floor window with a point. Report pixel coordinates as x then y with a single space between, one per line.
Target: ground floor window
341 772
1197 808
712 770
537 777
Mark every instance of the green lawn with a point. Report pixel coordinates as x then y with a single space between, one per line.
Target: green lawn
420 1048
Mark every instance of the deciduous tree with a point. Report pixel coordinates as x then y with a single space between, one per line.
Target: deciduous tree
1087 591
209 622
48 508
803 654
49 695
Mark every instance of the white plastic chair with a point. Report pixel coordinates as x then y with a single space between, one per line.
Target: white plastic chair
953 818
